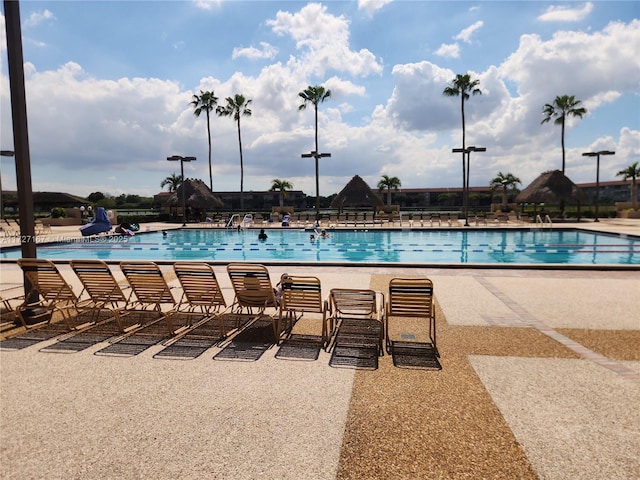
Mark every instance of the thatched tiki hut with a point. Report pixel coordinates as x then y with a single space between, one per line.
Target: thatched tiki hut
552 187
357 194
198 199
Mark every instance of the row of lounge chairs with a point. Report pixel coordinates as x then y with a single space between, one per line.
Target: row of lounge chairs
10 228
145 304
369 220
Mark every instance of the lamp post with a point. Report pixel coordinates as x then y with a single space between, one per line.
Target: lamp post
317 156
176 158
597 155
465 187
4 153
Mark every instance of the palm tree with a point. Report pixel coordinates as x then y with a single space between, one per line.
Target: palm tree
173 181
632 172
504 181
463 86
315 95
282 186
205 102
237 106
389 182
563 106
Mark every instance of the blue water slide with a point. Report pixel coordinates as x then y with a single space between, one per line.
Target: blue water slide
100 224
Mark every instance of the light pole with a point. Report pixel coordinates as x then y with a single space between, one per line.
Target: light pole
597 155
317 156
4 153
176 158
465 187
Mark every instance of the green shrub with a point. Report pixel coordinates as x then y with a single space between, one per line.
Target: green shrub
58 212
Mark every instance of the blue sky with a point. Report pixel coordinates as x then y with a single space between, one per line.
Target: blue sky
109 84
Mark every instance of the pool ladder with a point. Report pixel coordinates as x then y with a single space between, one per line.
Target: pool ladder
235 221
542 222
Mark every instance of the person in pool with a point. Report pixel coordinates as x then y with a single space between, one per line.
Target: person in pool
262 235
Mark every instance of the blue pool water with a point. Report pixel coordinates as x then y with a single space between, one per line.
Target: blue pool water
569 247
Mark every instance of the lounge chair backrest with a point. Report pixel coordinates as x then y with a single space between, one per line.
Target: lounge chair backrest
252 285
302 294
47 280
98 280
354 302
199 284
410 297
148 283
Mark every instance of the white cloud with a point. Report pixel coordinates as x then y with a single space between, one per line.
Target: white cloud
577 63
451 50
324 41
265 51
372 6
207 4
36 18
566 14
465 35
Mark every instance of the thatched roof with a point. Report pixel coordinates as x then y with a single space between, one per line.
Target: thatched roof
356 194
197 195
551 187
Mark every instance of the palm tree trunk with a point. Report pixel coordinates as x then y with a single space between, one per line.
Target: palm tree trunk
562 141
241 169
634 194
209 139
317 169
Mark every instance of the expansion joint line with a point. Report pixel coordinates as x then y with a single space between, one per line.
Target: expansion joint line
584 352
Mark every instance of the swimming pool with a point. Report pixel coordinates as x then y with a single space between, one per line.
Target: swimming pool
509 246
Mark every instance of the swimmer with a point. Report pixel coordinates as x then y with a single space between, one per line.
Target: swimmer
312 237
164 233
262 235
324 234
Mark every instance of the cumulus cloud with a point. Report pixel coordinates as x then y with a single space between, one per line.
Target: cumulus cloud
207 4
565 13
36 18
451 50
324 41
465 35
372 6
265 51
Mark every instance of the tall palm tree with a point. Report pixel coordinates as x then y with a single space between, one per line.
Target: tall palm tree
632 172
205 102
389 183
315 95
463 86
282 186
173 181
560 109
236 107
504 181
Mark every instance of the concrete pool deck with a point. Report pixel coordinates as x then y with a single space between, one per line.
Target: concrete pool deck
540 379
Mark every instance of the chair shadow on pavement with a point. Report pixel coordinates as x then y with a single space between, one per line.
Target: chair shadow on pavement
414 355
300 347
250 343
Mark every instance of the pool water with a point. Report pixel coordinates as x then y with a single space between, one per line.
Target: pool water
526 246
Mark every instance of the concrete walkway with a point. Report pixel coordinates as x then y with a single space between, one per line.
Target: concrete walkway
575 415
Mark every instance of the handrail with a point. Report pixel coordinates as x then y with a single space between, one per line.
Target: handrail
542 222
230 222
